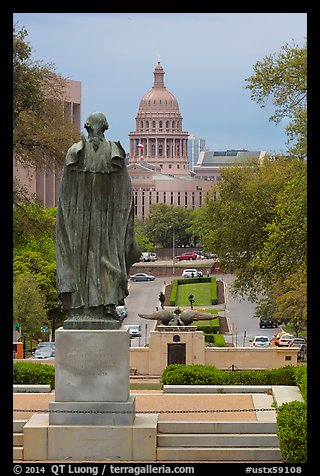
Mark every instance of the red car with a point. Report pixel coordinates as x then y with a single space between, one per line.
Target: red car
190 255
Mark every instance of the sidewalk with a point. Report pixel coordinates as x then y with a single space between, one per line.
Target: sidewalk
156 401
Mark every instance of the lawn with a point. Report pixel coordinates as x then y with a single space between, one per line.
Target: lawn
201 294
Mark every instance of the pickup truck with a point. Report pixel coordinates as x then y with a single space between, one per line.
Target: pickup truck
189 255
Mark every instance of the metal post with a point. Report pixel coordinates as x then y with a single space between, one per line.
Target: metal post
173 250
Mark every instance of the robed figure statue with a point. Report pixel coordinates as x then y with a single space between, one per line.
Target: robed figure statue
95 230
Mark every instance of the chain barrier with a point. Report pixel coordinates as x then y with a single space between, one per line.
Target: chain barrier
149 411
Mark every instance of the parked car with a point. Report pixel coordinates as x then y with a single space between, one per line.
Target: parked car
121 311
189 255
44 353
260 341
297 342
285 340
191 273
266 322
278 335
134 330
45 346
142 277
146 256
200 255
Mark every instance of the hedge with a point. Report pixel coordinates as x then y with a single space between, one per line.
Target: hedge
292 431
177 282
31 373
216 339
179 374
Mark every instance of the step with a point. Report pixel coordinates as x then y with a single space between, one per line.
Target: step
18 425
218 454
17 453
28 388
17 439
216 427
217 440
216 388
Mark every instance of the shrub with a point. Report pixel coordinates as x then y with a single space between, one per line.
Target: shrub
214 295
300 375
216 339
179 374
33 374
292 431
174 291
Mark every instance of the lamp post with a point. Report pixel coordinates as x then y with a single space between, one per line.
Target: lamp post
170 226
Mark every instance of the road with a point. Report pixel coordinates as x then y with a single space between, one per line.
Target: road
240 312
143 298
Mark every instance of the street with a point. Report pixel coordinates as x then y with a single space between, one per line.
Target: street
143 298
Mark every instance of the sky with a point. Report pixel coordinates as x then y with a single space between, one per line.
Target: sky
206 58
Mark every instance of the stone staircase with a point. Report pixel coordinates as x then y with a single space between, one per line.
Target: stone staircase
18 439
218 441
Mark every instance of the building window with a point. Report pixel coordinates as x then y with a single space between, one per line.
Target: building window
160 123
153 124
200 199
192 199
153 150
150 198
157 197
160 150
171 198
172 124
185 199
167 123
179 198
147 124
164 197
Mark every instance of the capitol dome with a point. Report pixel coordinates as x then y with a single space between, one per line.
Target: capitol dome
159 99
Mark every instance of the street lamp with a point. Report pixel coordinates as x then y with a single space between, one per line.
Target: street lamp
170 226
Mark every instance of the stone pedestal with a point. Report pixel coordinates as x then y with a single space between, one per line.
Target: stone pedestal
92 378
93 415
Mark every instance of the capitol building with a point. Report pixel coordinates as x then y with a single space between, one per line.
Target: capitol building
166 164
159 165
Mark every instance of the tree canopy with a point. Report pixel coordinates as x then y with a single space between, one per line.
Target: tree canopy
41 133
283 77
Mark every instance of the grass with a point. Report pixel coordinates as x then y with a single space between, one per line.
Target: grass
200 291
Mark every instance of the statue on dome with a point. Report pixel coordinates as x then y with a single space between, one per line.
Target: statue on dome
95 244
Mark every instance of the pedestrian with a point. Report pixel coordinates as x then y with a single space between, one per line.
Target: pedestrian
162 299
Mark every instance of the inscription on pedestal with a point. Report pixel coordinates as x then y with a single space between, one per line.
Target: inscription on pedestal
92 366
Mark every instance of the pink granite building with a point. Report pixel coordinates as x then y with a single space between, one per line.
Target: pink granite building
45 185
158 160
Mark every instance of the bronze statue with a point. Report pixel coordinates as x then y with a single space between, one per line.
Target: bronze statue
178 317
95 230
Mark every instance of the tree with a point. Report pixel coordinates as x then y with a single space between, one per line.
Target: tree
41 134
248 217
28 305
283 77
161 216
292 299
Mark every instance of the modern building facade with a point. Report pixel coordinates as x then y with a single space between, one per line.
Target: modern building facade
210 162
195 146
44 185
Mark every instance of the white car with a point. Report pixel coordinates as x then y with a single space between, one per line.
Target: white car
260 341
134 330
285 340
192 273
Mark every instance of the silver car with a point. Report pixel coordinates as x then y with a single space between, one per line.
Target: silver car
142 277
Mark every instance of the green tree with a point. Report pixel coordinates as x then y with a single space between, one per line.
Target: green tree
160 221
41 133
283 77
141 237
29 308
247 216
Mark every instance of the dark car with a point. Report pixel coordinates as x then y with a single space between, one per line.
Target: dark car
266 322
